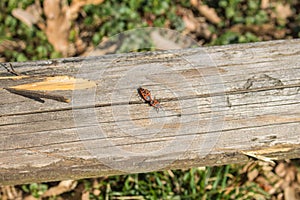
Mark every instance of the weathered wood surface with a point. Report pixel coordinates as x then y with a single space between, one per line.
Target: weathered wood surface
216 105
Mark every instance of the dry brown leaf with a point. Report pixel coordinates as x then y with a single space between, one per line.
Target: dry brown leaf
264 4
59 18
284 185
62 187
289 193
290 174
30 16
264 30
189 23
24 16
12 45
298 178
276 186
37 11
283 11
280 169
297 190
264 183
57 25
30 197
265 166
85 195
209 13
249 167
252 174
96 192
280 196
271 176
86 2
10 193
194 3
76 5
197 27
79 44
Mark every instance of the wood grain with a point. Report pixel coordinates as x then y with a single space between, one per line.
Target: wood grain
217 102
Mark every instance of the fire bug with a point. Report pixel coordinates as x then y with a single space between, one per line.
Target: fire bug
146 96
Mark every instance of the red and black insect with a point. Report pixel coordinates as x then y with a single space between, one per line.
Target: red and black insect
156 104
146 96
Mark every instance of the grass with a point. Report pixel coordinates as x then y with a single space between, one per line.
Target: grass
225 182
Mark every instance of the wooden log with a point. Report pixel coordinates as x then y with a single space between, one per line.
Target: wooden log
219 105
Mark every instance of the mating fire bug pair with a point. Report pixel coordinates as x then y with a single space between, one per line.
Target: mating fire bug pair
146 96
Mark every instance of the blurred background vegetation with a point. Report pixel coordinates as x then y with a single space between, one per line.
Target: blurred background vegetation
46 29
28 33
